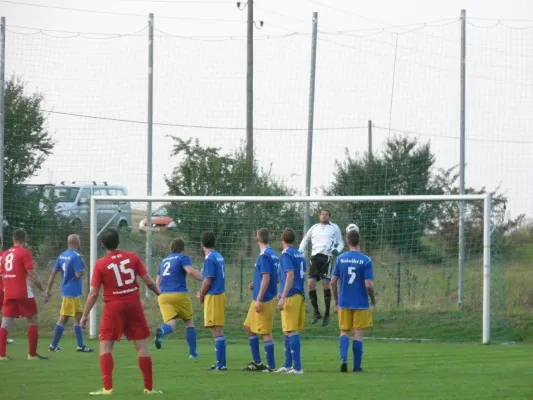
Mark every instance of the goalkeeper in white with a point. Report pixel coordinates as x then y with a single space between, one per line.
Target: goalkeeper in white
326 241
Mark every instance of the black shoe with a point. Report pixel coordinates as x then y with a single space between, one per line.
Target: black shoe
326 320
54 349
358 370
84 349
214 368
253 367
158 341
344 367
316 317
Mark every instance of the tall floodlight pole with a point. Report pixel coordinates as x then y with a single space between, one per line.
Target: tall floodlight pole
2 117
461 289
149 167
310 121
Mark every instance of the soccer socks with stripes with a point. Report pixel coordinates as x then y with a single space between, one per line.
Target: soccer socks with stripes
314 301
271 359
145 365
357 350
220 350
288 355
79 336
344 345
58 333
106 366
327 300
190 335
33 339
254 346
295 350
3 342
166 329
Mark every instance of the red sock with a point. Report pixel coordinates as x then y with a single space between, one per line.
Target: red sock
106 366
3 342
33 338
145 364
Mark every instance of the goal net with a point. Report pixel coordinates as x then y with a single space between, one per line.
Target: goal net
412 240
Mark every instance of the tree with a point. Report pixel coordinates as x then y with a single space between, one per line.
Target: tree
204 171
27 144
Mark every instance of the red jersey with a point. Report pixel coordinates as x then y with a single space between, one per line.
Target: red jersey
14 267
118 272
1 280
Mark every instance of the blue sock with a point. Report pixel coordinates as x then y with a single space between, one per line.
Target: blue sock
166 329
58 332
344 345
190 335
288 354
254 346
220 351
269 350
357 349
295 350
79 336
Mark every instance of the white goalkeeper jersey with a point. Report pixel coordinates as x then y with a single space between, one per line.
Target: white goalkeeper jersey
324 238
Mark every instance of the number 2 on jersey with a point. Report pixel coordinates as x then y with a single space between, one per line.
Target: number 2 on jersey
351 272
121 269
166 271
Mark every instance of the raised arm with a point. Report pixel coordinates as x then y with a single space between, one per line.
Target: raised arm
305 241
338 239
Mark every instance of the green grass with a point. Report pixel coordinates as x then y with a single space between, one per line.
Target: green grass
392 371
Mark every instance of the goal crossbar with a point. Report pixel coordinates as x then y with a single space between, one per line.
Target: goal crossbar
486 198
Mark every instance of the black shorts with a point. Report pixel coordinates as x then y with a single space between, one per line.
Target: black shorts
320 267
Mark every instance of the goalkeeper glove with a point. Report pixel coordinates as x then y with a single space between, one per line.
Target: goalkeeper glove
335 252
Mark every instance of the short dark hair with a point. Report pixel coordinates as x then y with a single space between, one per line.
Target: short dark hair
110 239
288 236
20 235
352 238
329 212
177 245
263 235
208 240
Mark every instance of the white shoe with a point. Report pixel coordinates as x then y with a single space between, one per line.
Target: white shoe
295 372
282 370
10 341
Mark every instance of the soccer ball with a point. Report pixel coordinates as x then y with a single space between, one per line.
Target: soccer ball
352 227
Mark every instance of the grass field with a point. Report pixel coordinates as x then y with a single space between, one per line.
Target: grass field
392 371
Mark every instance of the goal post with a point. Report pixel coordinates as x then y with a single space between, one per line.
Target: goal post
333 200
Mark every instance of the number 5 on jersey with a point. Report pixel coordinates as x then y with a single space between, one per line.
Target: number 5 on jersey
351 272
120 270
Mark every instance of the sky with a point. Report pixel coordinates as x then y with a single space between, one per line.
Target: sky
395 63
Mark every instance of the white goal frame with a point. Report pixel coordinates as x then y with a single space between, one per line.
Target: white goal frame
487 201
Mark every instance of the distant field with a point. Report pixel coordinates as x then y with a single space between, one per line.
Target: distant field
397 371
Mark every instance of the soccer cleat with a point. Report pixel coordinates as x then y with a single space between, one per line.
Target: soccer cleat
191 357
54 349
326 320
6 358
153 391
296 372
214 368
282 370
358 370
344 367
158 339
315 319
253 367
37 357
10 341
84 349
102 392
268 369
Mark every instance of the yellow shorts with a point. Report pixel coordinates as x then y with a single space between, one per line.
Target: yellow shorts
70 306
261 323
214 310
175 305
293 314
355 319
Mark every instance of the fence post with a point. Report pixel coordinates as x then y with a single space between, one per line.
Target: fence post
398 283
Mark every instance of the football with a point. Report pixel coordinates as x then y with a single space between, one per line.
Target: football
352 227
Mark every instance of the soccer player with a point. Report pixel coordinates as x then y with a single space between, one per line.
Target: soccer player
326 240
123 313
292 301
9 341
174 301
212 295
71 266
260 316
16 267
353 272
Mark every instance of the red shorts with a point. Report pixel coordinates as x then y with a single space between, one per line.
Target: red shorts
19 308
124 317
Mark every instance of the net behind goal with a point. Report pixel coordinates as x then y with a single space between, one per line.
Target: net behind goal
412 240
